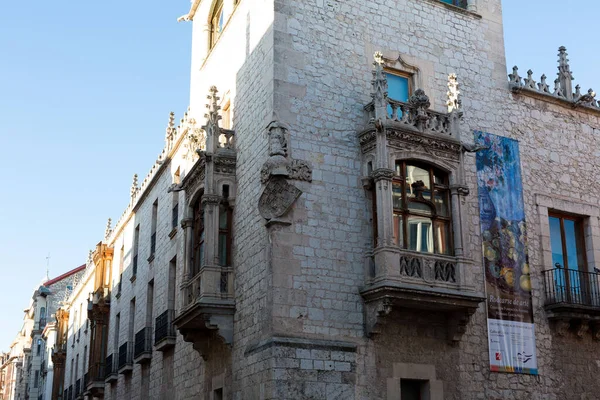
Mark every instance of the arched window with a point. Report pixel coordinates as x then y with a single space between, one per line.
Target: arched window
421 202
217 20
198 239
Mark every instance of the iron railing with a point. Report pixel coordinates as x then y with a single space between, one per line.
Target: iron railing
43 322
572 287
163 328
77 387
125 355
70 393
96 372
109 366
143 342
86 380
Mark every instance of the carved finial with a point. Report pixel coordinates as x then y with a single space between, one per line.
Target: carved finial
515 79
419 100
529 82
170 131
557 89
211 128
108 230
543 86
134 186
577 94
565 75
380 88
453 93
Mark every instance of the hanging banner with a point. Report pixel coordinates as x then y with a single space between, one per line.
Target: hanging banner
511 332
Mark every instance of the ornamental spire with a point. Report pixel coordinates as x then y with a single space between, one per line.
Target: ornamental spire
380 87
108 230
453 93
565 76
212 129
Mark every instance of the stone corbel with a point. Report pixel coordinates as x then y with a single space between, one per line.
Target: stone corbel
461 190
582 328
457 325
562 327
375 311
595 325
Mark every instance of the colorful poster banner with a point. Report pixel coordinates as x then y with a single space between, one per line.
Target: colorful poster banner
511 331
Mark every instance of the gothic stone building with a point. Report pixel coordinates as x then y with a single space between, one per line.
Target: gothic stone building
314 232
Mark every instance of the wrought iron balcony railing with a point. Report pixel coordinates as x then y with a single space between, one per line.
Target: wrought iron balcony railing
143 344
572 287
164 330
110 369
125 356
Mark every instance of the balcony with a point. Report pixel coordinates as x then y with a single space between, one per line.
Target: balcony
164 332
95 378
125 358
207 312
111 374
405 279
143 346
573 300
70 393
77 388
85 381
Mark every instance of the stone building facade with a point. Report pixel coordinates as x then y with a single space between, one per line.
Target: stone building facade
264 255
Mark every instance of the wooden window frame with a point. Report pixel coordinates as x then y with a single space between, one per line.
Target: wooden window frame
215 16
405 212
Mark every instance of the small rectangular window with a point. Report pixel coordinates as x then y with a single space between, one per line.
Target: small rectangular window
457 3
36 379
398 89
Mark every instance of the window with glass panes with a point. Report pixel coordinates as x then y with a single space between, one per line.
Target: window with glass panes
198 239
216 22
421 208
458 3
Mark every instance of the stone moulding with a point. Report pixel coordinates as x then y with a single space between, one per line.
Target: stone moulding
300 343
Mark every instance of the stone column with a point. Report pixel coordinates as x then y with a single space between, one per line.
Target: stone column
456 220
187 226
211 270
383 194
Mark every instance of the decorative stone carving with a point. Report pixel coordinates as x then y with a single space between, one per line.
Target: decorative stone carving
437 147
382 174
108 230
277 198
595 330
543 86
134 187
529 82
445 271
515 79
279 163
453 93
582 329
562 327
379 92
300 170
564 73
410 266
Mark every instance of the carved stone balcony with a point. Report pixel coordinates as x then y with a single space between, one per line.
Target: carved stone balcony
204 316
419 281
573 300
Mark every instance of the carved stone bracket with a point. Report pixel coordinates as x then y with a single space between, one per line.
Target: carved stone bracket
562 327
457 325
375 312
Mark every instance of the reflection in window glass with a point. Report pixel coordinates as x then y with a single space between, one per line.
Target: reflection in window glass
420 234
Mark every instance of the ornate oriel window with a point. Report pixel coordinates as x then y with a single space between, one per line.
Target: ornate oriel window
217 21
421 208
198 239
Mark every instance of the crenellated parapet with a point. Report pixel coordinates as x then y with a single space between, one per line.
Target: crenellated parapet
562 89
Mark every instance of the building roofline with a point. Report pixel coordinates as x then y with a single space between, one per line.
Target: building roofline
65 275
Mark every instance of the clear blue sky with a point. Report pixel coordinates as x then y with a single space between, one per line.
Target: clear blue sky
85 92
